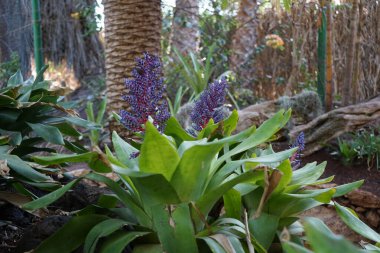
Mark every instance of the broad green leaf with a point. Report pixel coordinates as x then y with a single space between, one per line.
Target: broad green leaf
308 174
124 151
63 158
153 188
82 123
117 242
148 248
264 228
124 197
208 199
15 79
322 240
51 197
214 246
286 169
322 195
191 175
100 230
71 235
232 204
23 169
291 247
67 129
157 154
230 123
229 167
346 188
179 237
356 224
49 133
262 134
173 128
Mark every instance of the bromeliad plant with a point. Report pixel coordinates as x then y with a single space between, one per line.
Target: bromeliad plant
169 196
33 118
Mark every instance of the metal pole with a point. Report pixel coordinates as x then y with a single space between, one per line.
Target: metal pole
37 38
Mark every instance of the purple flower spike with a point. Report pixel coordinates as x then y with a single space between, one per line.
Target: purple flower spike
145 96
295 159
209 105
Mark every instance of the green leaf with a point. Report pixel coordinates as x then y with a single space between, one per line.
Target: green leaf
230 123
15 79
174 129
82 123
63 158
214 246
322 195
51 197
71 235
356 224
124 151
23 169
262 134
157 154
287 172
178 237
117 242
322 240
67 129
346 188
232 204
100 230
49 133
264 228
291 247
191 175
148 248
308 174
153 188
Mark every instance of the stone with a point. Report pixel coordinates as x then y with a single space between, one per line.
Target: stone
364 199
373 218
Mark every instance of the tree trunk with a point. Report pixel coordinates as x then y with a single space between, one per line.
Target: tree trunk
185 28
336 122
244 41
347 91
131 28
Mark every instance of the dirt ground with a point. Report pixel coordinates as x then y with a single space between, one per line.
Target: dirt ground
346 174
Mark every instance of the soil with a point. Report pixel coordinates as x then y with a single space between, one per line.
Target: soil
347 173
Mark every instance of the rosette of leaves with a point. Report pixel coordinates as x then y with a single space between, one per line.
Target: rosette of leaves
169 198
33 118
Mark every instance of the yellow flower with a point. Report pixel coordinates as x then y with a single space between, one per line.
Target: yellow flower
75 15
274 41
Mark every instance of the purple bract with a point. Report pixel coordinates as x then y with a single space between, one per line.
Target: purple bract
295 159
209 105
145 96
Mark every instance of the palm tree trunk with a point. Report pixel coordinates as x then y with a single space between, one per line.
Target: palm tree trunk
131 28
185 28
347 84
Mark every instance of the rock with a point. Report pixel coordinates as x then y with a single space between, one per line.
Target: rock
373 218
360 209
364 199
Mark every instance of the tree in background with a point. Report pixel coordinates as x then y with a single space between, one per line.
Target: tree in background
131 28
185 28
244 41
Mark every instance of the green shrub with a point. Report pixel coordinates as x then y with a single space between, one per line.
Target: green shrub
34 119
169 195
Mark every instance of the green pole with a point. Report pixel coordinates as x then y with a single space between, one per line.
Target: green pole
37 38
321 78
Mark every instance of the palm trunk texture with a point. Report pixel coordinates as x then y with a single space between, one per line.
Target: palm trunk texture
131 28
